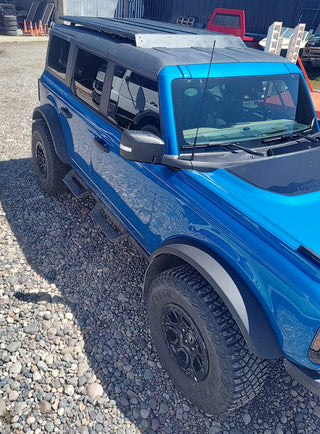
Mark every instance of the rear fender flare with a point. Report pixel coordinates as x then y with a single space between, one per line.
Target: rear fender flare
47 113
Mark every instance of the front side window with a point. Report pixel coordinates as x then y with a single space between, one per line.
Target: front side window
89 75
58 56
132 95
246 110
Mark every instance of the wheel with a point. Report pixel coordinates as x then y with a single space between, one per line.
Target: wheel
9 19
48 168
8 28
199 343
8 32
8 25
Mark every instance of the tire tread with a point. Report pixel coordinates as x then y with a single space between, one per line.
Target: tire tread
57 169
248 371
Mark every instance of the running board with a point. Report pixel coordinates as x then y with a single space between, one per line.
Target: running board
109 224
112 229
75 184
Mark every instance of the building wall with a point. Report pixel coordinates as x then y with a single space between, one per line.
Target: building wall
22 4
311 13
92 7
104 8
260 14
60 6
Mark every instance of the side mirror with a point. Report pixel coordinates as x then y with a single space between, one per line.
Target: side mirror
141 146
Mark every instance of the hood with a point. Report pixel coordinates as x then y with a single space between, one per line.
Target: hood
280 194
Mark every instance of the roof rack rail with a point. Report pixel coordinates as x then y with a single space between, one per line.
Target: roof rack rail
150 34
105 25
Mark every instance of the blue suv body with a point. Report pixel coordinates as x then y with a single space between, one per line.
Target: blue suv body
208 153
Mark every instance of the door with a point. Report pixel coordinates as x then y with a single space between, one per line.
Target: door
128 187
82 111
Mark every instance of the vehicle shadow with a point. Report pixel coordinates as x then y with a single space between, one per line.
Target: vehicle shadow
100 283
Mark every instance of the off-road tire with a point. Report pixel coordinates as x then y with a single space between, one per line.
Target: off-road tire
8 27
48 168
230 375
9 19
8 22
8 32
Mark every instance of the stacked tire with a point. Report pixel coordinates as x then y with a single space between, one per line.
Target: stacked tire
8 25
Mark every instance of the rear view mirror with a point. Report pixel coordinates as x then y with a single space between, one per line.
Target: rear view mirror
141 146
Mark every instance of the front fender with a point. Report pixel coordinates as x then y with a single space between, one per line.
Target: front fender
243 306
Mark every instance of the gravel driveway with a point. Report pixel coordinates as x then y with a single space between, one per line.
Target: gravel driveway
75 349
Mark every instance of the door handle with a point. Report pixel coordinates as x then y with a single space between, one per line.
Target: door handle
101 144
65 112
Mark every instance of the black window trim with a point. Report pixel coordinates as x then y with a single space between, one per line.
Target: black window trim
113 64
52 71
105 91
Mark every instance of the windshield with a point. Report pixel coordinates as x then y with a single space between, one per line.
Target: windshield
246 110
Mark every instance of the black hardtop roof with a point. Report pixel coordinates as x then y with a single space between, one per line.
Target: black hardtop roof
127 28
117 38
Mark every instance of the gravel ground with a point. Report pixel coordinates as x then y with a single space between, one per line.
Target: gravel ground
75 350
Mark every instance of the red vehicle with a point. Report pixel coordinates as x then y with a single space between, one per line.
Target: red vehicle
232 21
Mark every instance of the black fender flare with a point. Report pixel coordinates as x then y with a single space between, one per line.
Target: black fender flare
242 304
47 113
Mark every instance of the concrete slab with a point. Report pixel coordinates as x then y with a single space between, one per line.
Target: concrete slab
22 38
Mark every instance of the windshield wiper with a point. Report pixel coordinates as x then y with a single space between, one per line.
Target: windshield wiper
302 136
291 136
297 146
237 146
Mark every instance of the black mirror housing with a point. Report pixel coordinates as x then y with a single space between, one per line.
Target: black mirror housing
141 146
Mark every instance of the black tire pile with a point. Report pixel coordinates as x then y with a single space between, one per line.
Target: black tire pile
8 25
8 20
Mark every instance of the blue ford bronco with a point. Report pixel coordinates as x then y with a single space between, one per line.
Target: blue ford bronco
208 154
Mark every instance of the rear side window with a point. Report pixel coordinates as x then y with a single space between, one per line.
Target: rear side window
132 95
58 56
89 75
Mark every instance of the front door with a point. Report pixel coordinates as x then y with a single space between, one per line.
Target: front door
128 187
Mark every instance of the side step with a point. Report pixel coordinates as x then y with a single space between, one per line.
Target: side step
75 184
109 224
112 229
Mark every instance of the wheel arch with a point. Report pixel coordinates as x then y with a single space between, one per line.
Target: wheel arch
48 114
242 304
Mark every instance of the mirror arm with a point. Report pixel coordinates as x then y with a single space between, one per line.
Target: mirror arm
175 163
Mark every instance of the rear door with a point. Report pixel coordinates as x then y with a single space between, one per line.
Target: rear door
95 101
83 105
